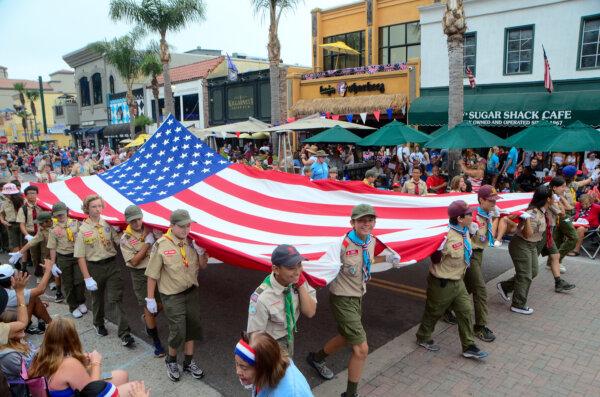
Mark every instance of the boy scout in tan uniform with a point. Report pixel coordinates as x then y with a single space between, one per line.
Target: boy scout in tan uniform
25 218
173 265
61 243
415 185
358 251
276 304
96 252
445 286
8 214
135 245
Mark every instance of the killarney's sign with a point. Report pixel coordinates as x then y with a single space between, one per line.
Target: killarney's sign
517 118
342 88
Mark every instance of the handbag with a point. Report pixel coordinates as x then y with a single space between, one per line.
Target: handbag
29 387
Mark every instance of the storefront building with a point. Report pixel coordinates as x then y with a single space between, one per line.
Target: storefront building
504 48
383 78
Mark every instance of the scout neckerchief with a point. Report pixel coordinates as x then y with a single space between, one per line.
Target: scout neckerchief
366 269
67 228
464 231
290 321
549 240
488 217
169 236
417 192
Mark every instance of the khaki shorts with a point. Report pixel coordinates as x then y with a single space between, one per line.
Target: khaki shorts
140 286
183 315
347 312
15 237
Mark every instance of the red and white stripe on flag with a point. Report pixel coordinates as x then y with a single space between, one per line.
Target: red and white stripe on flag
471 77
547 78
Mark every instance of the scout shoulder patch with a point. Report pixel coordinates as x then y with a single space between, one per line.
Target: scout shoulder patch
88 234
169 252
254 297
457 245
133 241
252 309
351 252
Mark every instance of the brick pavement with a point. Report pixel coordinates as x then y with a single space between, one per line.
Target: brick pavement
553 352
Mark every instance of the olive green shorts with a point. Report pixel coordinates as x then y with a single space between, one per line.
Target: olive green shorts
545 251
140 286
183 313
15 237
347 312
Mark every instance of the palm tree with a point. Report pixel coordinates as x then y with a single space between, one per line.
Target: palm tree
152 67
22 110
160 16
455 26
123 55
33 95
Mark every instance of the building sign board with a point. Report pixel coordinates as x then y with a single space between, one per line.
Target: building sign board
517 118
342 88
240 101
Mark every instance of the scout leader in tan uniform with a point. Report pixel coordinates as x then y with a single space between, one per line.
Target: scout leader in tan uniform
445 286
174 264
95 252
61 243
276 304
358 251
415 185
25 218
135 244
8 215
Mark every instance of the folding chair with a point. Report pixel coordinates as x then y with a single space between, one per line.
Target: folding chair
592 236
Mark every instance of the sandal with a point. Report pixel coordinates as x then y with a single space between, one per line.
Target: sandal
573 254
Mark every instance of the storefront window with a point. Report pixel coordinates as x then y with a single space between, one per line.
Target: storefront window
84 91
216 105
470 52
518 55
111 84
399 43
355 40
265 100
97 88
161 105
177 107
589 44
191 109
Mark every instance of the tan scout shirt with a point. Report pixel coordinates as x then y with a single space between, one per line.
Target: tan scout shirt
267 308
554 213
350 280
41 238
409 187
452 266
167 267
538 226
8 208
5 175
58 239
4 332
131 244
87 168
95 242
29 225
480 239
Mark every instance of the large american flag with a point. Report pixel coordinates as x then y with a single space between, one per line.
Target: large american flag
242 213
548 85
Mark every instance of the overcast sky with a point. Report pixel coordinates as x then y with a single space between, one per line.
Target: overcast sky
35 34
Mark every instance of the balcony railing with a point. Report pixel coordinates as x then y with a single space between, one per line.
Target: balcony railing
372 69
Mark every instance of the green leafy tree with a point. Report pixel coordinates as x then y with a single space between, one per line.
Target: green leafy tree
22 109
152 67
160 16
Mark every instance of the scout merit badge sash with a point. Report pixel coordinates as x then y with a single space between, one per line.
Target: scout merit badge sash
464 231
169 236
488 217
290 321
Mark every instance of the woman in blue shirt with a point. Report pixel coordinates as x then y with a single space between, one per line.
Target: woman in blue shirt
265 369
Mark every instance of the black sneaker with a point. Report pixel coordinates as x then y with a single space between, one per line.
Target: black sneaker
473 352
449 317
127 341
41 326
59 297
101 330
320 366
348 395
33 330
193 369
173 371
429 345
562 286
485 334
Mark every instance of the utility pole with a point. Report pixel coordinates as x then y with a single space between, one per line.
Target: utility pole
43 106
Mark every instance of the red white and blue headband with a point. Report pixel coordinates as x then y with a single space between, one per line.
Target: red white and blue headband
246 353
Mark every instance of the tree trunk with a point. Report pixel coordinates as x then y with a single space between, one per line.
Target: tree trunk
165 58
274 50
131 103
455 96
155 93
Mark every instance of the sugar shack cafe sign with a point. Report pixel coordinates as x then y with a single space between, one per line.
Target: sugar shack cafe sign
517 118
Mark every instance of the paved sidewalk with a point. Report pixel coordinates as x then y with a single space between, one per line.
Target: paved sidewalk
553 352
139 362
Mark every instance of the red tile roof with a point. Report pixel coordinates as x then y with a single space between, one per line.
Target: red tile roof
7 84
193 71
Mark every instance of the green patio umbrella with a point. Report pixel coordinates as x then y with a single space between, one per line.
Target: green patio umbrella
439 131
578 137
537 137
465 136
392 134
335 134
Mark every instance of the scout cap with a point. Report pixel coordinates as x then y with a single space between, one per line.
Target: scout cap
286 255
362 210
321 153
371 174
6 271
458 208
43 217
488 192
59 208
132 213
180 218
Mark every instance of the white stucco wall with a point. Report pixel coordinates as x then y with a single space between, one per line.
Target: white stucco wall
556 26
179 90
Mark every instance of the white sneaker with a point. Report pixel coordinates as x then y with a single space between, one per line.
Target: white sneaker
76 313
563 269
498 243
525 310
53 286
82 308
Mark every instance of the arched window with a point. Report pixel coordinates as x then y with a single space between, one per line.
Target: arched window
97 88
111 84
84 91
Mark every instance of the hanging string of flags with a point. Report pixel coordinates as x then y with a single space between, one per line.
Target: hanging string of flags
363 116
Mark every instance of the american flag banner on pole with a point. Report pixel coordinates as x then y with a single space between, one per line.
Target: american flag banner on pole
547 79
471 77
241 213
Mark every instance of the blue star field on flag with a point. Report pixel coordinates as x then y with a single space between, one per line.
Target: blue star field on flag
172 160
